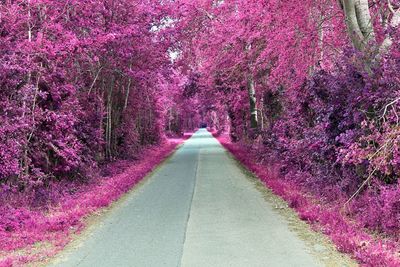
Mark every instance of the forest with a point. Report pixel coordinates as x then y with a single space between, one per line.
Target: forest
310 92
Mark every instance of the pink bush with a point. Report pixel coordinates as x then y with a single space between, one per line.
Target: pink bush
349 236
22 228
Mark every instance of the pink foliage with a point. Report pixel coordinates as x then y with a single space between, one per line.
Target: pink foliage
23 228
88 86
328 218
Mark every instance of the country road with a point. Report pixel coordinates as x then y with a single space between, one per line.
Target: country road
200 208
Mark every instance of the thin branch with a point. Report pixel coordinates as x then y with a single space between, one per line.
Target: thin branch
95 80
391 7
361 187
385 109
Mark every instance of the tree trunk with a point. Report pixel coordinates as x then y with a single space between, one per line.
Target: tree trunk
251 88
365 21
109 128
321 36
25 156
352 22
128 89
359 22
253 101
394 23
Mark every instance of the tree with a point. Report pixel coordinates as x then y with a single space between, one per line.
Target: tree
360 24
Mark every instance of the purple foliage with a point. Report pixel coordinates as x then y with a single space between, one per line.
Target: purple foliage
327 217
53 213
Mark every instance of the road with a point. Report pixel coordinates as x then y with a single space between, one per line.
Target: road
200 208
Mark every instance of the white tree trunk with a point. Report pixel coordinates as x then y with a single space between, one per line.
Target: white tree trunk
353 28
395 22
365 21
360 26
253 101
251 89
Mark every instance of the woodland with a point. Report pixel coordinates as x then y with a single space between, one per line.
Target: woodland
309 91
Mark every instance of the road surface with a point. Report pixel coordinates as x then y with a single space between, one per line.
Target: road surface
200 208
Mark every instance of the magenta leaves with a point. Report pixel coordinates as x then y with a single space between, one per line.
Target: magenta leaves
66 207
325 217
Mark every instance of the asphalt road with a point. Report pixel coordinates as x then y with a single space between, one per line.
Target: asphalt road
198 209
